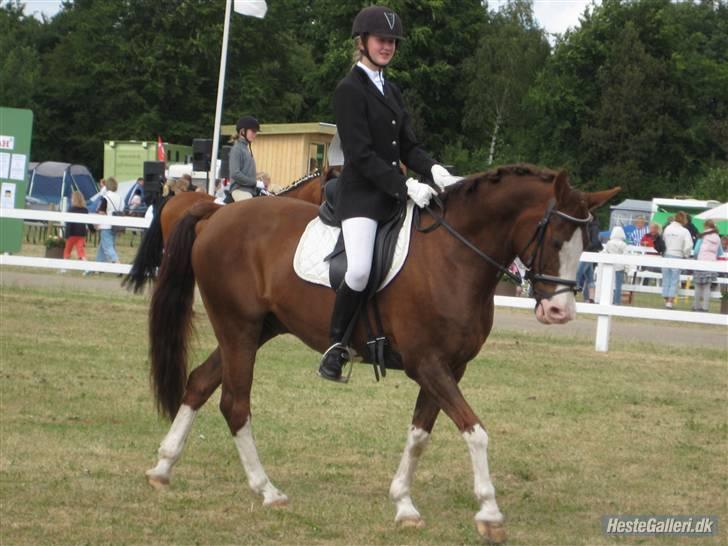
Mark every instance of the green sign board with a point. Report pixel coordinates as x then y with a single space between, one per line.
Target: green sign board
16 128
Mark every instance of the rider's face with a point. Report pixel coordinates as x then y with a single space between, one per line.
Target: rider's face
250 134
381 49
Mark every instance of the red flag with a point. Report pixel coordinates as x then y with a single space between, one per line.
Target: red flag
160 149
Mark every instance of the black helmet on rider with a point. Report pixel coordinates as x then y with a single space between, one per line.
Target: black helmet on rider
378 20
247 122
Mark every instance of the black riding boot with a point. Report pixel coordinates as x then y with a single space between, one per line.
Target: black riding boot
345 307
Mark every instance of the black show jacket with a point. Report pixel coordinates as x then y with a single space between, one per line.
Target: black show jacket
376 132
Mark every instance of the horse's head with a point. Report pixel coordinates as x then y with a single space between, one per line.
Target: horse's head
552 249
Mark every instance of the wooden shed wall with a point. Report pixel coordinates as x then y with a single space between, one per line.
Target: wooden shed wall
285 157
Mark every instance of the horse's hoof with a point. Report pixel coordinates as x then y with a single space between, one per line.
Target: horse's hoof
160 483
411 523
491 532
281 502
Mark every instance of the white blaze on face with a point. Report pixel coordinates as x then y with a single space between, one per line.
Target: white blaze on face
562 307
568 264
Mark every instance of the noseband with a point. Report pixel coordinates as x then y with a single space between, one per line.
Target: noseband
536 241
537 255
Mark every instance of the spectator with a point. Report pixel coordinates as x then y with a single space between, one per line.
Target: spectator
136 200
724 244
617 245
75 232
694 234
653 238
138 186
639 230
186 182
585 271
678 244
95 199
707 248
107 238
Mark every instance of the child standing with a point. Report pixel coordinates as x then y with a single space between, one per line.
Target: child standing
76 233
616 245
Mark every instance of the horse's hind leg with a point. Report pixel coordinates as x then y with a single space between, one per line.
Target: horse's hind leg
238 361
201 383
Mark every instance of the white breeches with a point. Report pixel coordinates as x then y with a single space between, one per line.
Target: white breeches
359 235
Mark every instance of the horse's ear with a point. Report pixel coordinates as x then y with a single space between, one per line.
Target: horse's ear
597 198
561 187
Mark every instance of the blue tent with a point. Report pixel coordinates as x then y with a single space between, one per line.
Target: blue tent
51 181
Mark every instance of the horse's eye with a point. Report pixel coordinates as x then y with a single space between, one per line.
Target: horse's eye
557 244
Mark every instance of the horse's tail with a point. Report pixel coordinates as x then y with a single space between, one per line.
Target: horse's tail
170 314
149 255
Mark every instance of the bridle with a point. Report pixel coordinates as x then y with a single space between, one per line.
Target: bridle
534 263
533 274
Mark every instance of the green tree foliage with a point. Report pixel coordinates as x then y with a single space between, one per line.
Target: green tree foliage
20 61
636 97
511 51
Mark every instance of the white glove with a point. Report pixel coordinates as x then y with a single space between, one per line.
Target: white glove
260 184
442 178
419 193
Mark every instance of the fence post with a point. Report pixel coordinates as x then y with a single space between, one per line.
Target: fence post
605 274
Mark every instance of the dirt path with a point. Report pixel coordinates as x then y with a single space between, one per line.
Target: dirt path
623 330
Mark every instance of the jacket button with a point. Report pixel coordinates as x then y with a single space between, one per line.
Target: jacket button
394 163
394 143
394 122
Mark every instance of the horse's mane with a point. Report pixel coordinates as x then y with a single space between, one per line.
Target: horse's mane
298 182
496 175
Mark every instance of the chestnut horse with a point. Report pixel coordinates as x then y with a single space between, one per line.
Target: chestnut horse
309 188
437 312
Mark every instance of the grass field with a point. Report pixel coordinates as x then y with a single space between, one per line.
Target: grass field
575 435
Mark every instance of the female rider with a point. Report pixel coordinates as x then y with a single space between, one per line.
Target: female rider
243 176
376 133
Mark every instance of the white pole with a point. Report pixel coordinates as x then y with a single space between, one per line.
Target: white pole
218 106
605 275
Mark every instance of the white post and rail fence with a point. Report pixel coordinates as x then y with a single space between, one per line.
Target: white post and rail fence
603 308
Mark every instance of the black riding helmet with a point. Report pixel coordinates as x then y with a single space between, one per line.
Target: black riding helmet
247 122
378 20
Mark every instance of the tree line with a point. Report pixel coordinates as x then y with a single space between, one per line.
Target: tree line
636 95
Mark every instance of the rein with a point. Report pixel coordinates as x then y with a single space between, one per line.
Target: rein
537 239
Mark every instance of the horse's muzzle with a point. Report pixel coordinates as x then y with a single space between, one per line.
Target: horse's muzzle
559 311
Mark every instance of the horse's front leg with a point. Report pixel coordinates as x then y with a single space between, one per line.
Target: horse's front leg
200 385
440 382
418 436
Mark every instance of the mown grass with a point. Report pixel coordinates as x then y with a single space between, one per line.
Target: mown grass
574 435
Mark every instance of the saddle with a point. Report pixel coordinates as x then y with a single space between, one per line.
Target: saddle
384 244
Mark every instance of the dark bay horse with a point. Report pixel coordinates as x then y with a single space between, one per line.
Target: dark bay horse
437 312
309 188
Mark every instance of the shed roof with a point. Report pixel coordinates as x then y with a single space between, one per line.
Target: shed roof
633 204
287 128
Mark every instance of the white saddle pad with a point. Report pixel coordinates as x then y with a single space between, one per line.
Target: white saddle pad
318 241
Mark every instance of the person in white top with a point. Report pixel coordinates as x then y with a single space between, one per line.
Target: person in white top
678 244
111 203
617 245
